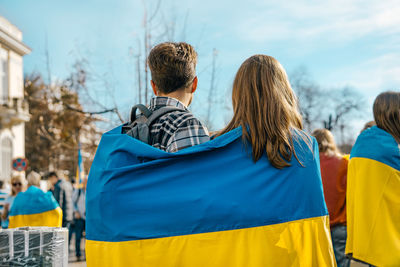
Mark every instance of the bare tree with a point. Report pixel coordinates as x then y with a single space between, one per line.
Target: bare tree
211 101
56 126
333 109
346 104
77 81
161 25
150 27
310 97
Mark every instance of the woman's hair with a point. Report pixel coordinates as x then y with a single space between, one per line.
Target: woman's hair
33 178
326 142
16 179
368 125
265 105
387 113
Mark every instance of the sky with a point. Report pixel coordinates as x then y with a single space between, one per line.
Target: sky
341 43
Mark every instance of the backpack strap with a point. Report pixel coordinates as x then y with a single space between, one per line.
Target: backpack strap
139 127
146 112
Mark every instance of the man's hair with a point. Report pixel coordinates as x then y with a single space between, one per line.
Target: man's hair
51 174
172 66
1 184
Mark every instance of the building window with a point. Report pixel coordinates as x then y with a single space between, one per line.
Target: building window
5 158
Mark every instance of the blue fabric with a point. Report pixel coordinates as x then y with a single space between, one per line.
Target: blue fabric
387 150
33 201
136 191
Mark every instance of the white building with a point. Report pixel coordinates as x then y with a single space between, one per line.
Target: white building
13 109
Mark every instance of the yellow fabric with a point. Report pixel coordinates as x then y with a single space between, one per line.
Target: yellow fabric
52 218
373 212
298 243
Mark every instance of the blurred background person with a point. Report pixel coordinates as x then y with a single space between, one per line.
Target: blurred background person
33 178
62 192
334 178
3 196
17 183
373 188
368 125
34 207
79 202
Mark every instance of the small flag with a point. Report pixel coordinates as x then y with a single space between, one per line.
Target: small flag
80 173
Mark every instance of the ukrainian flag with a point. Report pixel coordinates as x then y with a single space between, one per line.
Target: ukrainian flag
208 205
35 208
373 199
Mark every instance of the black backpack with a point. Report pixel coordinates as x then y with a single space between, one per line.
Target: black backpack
139 128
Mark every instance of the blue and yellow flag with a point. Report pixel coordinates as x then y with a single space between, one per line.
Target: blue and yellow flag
373 199
208 205
80 173
35 208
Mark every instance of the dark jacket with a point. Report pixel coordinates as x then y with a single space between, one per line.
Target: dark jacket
62 192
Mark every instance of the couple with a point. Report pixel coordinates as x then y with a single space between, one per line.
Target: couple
263 102
251 196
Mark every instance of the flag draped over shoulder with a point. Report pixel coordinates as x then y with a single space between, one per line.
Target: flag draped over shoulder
35 208
208 205
373 199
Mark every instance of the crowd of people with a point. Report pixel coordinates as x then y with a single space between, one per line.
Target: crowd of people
361 190
25 195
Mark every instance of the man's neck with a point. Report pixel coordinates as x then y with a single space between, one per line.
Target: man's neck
180 95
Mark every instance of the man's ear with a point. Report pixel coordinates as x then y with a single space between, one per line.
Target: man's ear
194 84
153 85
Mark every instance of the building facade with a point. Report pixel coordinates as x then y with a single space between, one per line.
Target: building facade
14 110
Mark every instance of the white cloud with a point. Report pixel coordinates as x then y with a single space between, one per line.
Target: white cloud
371 76
336 20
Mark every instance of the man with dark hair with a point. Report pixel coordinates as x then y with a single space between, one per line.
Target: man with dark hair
174 80
62 192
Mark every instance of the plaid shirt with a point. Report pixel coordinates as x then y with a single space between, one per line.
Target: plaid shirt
176 130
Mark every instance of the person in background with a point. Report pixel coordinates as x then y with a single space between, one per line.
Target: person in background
79 202
334 179
368 125
17 183
373 188
3 197
62 192
34 207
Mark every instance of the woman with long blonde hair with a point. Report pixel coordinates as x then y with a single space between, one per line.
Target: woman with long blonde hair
17 185
266 108
334 177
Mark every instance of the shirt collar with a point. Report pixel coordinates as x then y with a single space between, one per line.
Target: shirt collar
162 101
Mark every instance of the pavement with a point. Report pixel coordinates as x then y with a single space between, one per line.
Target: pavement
77 264
72 260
